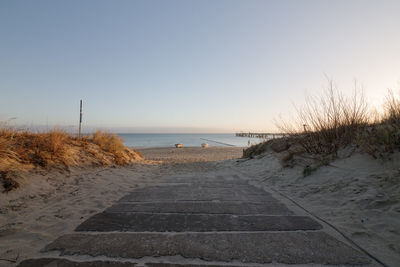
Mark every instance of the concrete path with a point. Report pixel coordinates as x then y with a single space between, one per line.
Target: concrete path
198 221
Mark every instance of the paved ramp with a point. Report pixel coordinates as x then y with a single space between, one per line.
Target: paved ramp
211 221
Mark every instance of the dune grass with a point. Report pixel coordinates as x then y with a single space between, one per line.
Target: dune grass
55 147
108 142
383 137
26 150
332 121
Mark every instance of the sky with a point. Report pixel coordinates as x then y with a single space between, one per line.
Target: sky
188 66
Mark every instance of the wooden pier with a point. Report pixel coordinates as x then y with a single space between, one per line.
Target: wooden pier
260 135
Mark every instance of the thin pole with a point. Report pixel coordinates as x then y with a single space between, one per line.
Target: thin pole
80 120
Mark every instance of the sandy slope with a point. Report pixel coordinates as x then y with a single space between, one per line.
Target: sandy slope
357 194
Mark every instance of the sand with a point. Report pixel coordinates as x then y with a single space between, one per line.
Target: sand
357 194
191 154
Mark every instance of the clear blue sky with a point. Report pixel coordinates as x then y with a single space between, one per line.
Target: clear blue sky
179 66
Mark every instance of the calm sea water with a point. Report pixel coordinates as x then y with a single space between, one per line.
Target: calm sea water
188 140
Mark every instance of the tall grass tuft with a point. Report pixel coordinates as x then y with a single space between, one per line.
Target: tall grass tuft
55 147
383 137
108 142
114 144
330 121
392 108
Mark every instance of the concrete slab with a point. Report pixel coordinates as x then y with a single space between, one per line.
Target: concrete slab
206 188
194 180
267 247
53 262
268 208
160 222
204 221
151 264
207 183
178 193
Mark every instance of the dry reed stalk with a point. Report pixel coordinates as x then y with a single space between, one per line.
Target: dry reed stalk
330 121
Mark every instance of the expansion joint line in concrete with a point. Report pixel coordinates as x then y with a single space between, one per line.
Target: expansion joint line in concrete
94 233
200 214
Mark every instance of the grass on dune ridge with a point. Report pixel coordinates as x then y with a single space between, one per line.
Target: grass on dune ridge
333 121
24 150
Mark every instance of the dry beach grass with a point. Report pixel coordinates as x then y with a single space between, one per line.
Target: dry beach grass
26 151
333 121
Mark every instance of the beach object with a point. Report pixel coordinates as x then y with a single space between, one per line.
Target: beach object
80 120
225 144
204 145
178 145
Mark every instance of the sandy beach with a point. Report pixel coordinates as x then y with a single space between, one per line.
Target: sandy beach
191 154
346 193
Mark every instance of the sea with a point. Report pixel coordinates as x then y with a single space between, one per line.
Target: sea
187 140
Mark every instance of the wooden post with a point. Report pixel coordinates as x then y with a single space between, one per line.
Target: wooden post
80 120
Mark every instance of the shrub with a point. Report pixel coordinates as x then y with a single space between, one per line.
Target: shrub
383 137
330 121
392 109
108 142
